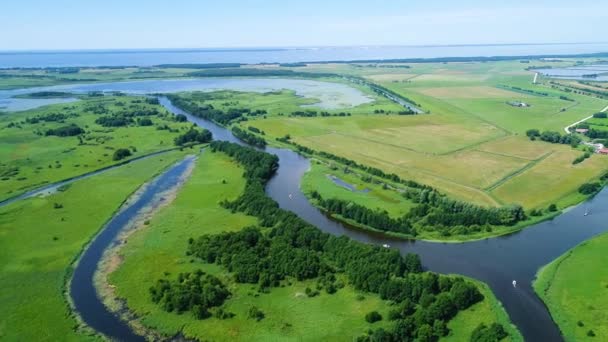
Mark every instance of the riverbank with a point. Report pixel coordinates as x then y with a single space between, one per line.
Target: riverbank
574 288
111 259
39 260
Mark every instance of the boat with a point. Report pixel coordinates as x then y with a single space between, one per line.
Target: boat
386 245
514 283
290 196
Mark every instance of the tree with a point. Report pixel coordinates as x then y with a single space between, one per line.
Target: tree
121 153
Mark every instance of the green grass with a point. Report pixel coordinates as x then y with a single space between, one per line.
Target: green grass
46 159
318 178
575 288
488 311
38 244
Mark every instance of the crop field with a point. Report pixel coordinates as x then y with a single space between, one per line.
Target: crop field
157 250
472 145
40 240
574 288
29 158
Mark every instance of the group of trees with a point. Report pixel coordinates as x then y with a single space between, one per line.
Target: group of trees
373 218
433 212
292 248
248 138
208 112
193 136
196 292
65 131
50 117
554 137
313 113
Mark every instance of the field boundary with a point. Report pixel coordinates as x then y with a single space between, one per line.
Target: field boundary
518 172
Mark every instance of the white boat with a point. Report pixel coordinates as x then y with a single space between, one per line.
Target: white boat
290 196
514 283
386 245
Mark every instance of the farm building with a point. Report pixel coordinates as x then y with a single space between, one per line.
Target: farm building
603 151
518 104
581 130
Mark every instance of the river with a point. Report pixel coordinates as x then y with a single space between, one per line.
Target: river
497 261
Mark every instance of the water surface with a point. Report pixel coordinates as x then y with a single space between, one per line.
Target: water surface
330 95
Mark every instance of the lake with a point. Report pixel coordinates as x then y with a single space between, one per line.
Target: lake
330 95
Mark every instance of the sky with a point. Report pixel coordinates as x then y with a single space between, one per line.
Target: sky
132 24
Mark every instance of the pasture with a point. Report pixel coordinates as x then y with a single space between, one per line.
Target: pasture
574 288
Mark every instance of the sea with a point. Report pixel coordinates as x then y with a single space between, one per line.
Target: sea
151 57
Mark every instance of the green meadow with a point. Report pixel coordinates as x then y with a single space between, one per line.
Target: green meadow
574 287
29 158
42 237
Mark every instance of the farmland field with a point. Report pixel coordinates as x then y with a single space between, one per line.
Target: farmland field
472 144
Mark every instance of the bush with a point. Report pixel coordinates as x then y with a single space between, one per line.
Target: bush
373 317
121 153
589 188
493 333
600 115
552 208
590 333
255 313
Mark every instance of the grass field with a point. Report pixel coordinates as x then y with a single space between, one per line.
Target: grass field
159 247
575 287
487 311
43 159
368 194
38 243
472 145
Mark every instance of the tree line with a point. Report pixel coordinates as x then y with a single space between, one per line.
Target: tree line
248 138
554 137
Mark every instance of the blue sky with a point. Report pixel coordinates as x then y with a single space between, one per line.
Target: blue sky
95 24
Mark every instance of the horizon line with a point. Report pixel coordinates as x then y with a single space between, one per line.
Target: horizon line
279 48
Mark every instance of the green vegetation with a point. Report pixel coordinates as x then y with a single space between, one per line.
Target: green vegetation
292 305
574 288
57 142
42 237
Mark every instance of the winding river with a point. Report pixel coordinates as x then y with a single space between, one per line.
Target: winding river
497 261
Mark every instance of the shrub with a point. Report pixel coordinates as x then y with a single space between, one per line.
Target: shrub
121 153
373 317
483 333
255 313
